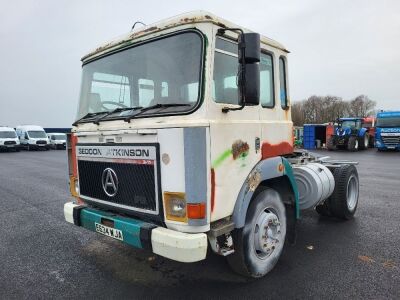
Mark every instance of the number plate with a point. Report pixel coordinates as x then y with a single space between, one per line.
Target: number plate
108 231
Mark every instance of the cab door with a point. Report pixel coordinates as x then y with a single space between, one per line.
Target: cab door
234 135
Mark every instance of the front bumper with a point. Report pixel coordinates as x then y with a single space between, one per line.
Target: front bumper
10 147
179 246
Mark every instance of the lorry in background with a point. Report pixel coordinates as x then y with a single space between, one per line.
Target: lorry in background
57 140
352 134
32 137
174 150
8 139
387 135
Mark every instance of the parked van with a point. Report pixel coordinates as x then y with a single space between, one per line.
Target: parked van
57 140
8 139
33 137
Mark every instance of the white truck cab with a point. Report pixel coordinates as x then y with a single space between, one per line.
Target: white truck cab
57 140
183 141
8 139
32 137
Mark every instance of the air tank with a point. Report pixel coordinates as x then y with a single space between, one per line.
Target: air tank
315 183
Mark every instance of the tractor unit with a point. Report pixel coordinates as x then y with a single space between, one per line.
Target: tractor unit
352 134
183 142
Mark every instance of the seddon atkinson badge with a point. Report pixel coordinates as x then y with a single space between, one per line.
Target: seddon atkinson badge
183 141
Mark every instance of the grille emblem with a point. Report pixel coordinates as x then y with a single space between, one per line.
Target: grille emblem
109 181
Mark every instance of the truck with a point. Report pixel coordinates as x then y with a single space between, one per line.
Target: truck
352 134
8 139
32 137
387 135
183 142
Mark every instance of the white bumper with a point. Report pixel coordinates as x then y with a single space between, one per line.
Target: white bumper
179 246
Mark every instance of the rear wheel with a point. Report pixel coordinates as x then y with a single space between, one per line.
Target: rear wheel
344 199
259 244
331 144
352 144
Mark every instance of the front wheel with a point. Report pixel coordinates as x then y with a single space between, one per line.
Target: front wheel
352 144
364 142
259 244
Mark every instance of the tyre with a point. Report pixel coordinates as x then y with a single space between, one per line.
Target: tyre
344 199
352 144
259 244
364 142
331 144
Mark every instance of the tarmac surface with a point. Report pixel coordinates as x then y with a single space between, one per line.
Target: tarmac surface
42 256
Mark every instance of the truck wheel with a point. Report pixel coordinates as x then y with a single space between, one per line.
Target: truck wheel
331 144
258 245
364 142
352 144
344 199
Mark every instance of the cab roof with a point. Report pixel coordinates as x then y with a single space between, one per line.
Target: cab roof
183 19
6 128
388 114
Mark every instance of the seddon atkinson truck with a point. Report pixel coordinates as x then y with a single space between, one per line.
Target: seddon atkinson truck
183 142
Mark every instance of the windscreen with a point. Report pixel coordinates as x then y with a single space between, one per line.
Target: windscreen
162 71
60 137
350 124
37 134
388 122
7 135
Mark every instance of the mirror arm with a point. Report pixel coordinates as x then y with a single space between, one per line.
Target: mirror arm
242 72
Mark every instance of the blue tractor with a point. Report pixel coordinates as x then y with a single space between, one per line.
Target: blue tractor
351 134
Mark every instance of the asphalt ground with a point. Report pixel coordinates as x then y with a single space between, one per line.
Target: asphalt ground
42 256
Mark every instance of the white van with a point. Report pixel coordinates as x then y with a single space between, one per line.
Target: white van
57 140
33 137
8 139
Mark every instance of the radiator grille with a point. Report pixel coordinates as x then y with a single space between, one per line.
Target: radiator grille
136 187
391 140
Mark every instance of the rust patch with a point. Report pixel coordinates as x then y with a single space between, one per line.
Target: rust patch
149 29
208 17
268 150
254 180
212 189
240 149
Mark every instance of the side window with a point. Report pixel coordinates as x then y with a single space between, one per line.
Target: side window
282 83
225 89
266 81
146 92
112 88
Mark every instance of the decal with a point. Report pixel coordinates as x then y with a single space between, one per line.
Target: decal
212 189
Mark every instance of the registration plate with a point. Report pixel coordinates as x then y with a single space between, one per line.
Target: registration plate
108 231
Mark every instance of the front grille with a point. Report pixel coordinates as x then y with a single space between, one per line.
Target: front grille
41 142
391 140
136 183
9 143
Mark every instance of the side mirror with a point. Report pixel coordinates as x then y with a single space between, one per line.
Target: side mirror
249 58
252 84
250 44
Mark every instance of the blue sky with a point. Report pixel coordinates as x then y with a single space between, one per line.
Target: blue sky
342 48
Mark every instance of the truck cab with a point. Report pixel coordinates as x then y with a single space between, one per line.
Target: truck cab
8 139
387 135
181 125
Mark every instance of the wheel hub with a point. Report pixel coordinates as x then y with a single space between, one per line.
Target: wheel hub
267 233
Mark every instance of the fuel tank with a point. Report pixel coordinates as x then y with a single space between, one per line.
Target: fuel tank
315 183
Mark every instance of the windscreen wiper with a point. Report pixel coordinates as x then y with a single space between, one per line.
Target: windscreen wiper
119 109
159 105
88 115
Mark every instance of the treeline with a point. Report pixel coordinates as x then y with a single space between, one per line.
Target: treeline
323 109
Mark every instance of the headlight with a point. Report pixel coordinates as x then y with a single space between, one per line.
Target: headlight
175 206
74 186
